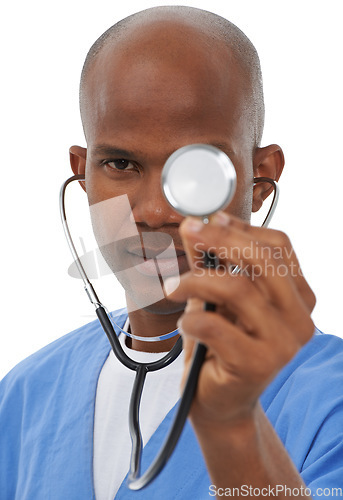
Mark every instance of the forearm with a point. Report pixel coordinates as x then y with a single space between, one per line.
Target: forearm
250 453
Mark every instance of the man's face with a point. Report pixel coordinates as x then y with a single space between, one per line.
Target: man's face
147 97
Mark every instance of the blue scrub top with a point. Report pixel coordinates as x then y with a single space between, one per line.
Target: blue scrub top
47 416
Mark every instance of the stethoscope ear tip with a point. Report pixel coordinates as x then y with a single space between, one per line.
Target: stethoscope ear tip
275 199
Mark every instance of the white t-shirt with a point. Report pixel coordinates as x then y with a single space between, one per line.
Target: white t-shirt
112 443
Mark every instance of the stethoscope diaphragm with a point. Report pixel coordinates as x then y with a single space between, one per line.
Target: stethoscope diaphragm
198 180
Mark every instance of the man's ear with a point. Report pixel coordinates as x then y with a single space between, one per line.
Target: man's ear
268 162
78 157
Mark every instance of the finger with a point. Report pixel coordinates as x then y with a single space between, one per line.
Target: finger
194 252
276 243
232 245
194 304
235 293
239 301
237 351
223 338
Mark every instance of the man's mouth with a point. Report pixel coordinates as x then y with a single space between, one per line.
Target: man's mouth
163 262
154 253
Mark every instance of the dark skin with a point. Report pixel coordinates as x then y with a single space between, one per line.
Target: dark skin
141 103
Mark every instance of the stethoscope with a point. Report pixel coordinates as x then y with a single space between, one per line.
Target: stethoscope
197 180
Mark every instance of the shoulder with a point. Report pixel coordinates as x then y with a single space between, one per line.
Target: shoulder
46 413
316 363
305 405
324 351
54 353
63 354
319 360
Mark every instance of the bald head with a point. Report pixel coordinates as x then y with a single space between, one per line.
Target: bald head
174 33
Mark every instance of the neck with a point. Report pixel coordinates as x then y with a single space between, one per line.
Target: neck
147 324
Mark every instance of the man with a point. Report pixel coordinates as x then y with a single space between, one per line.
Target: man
157 81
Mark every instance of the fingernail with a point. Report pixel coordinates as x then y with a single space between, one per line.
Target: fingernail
221 219
193 225
171 284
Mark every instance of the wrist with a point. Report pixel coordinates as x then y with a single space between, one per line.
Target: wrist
238 428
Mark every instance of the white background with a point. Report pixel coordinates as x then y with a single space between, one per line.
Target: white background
43 46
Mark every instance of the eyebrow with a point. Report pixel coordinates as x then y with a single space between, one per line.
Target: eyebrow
113 151
116 152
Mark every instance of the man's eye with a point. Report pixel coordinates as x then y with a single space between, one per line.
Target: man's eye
120 164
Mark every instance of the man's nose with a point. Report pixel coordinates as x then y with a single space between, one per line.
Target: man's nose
150 207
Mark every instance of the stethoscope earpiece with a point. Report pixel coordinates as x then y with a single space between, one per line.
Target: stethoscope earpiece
275 199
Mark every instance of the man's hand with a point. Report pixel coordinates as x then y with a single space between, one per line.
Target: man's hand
262 318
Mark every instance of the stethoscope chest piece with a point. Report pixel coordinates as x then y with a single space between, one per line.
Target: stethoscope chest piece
198 180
